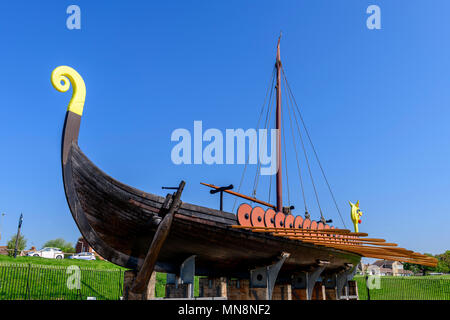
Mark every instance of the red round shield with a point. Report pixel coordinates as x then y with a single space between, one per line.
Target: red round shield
307 224
313 227
269 218
298 222
320 227
279 220
289 221
243 214
257 217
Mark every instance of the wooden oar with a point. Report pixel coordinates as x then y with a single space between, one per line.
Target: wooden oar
357 247
349 241
360 247
387 253
400 252
323 236
271 229
343 239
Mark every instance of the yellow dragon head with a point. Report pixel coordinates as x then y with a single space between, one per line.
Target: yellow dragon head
355 214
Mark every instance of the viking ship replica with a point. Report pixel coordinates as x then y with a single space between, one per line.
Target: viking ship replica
265 243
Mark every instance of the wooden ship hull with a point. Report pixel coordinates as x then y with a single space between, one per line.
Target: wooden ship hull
146 232
120 223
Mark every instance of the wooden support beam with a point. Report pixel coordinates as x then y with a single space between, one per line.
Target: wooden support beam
161 234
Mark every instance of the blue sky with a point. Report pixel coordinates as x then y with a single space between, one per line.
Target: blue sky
376 103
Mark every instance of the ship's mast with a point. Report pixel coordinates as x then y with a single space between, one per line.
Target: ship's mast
278 127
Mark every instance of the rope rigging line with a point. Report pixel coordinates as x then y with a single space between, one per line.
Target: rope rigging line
296 153
269 88
267 121
313 148
307 161
270 187
285 157
258 166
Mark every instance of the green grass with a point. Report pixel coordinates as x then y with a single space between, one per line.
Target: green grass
407 288
40 278
47 279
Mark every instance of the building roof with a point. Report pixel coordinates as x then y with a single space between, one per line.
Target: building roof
385 270
385 263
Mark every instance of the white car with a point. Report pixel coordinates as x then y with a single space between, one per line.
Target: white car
52 253
83 256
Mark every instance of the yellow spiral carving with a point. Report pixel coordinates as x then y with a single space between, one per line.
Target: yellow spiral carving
60 80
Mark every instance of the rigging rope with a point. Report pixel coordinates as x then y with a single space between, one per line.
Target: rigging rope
270 187
314 149
296 153
257 125
307 161
285 157
258 166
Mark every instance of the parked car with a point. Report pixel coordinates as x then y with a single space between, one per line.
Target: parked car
47 252
83 256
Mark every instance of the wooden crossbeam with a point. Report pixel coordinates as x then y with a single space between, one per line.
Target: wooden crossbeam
240 195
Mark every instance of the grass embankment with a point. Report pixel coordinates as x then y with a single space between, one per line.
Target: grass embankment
41 278
406 288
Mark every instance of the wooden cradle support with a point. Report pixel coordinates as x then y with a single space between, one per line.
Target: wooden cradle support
142 279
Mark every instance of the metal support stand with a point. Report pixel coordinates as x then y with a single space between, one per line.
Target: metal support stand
187 273
311 277
265 277
307 280
343 278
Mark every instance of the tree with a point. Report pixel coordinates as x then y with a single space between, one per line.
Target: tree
418 268
443 262
60 243
22 243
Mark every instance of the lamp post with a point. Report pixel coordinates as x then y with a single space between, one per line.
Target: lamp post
18 235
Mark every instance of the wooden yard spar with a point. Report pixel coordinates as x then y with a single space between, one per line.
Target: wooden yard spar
147 232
